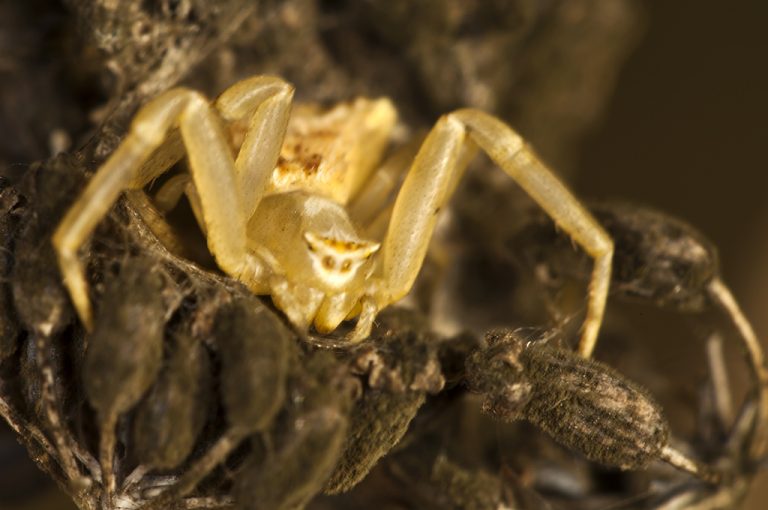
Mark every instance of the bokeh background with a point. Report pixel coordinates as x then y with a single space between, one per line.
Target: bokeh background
685 131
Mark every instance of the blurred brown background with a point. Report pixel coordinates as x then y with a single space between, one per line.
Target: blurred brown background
685 132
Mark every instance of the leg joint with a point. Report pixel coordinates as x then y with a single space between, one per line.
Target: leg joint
243 98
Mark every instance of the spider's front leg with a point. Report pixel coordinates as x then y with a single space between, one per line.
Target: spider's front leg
263 102
432 179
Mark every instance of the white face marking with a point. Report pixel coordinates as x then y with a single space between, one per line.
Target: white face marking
334 261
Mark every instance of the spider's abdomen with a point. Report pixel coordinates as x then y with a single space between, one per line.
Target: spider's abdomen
333 152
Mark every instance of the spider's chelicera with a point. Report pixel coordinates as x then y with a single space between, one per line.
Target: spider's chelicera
295 204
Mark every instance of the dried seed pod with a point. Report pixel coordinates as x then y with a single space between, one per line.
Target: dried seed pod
401 368
253 344
458 487
10 204
378 423
593 409
172 415
307 441
297 472
32 379
582 404
124 352
658 258
126 348
38 295
495 372
254 348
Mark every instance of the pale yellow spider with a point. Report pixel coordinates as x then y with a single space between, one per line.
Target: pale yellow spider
287 201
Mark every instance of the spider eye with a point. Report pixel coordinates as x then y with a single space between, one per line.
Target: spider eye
328 262
346 266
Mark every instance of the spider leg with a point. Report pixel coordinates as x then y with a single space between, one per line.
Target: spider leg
262 106
432 179
373 197
155 221
212 170
414 215
169 194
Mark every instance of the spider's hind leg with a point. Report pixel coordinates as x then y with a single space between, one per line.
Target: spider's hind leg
507 149
432 179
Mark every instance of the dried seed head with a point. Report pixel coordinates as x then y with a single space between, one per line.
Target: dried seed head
253 344
173 413
591 408
297 472
658 258
10 203
458 487
496 373
32 380
126 348
307 441
582 404
39 299
399 369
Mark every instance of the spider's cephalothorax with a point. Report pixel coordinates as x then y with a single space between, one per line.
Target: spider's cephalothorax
297 204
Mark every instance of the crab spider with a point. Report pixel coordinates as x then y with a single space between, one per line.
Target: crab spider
287 200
